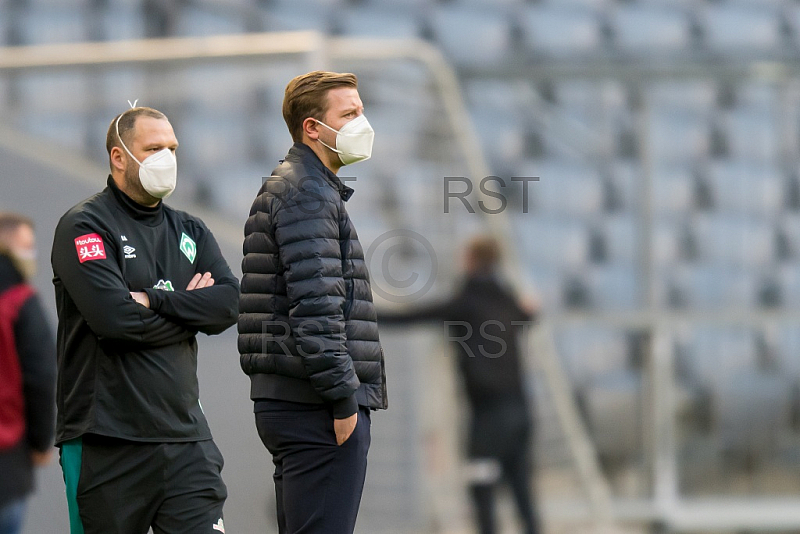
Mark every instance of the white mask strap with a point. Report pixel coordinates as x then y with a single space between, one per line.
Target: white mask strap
116 126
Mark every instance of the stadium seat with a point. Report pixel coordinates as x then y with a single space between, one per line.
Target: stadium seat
752 133
60 4
788 227
589 352
614 405
497 95
716 353
746 186
733 240
678 135
673 190
644 29
122 23
565 187
595 4
51 25
502 136
711 287
620 239
217 86
59 128
697 96
561 31
614 287
788 278
214 136
472 38
757 94
385 23
623 186
590 94
787 349
546 281
743 29
290 16
668 246
198 21
751 410
554 241
52 91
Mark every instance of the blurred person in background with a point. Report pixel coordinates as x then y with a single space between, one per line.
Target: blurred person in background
135 282
484 320
27 372
308 334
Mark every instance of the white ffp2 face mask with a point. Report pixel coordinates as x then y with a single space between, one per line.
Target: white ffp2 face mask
158 172
353 140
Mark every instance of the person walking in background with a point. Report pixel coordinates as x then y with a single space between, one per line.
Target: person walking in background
484 320
308 335
27 372
135 281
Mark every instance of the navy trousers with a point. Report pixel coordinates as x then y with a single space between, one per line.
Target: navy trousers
318 484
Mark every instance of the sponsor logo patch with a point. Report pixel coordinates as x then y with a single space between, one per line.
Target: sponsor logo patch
129 252
90 247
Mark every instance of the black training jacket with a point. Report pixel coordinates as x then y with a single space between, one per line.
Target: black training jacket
124 370
307 325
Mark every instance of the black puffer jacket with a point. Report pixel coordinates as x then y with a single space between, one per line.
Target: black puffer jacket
308 330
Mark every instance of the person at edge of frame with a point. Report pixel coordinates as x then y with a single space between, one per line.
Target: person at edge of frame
27 372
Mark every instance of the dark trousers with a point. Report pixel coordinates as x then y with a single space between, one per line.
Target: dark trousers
318 483
116 486
501 433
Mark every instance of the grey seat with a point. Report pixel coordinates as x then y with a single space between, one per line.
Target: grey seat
743 29
472 37
644 29
561 30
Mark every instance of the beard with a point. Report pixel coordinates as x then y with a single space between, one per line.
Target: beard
134 185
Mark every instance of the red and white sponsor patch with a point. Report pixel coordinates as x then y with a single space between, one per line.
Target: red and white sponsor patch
90 247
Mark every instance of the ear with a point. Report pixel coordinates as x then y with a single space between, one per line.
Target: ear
117 159
311 128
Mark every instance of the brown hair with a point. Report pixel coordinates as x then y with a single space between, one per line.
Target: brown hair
307 96
127 124
484 253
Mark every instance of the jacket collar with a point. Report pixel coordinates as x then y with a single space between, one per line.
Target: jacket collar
148 216
308 158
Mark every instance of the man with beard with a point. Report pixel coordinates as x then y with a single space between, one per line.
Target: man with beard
135 282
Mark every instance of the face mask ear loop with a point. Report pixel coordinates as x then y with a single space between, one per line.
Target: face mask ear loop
323 142
116 127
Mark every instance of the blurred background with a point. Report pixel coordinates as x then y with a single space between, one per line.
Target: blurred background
662 238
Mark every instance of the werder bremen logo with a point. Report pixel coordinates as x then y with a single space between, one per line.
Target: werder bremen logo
188 247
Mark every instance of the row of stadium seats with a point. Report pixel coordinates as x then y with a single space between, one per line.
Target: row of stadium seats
470 34
738 385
